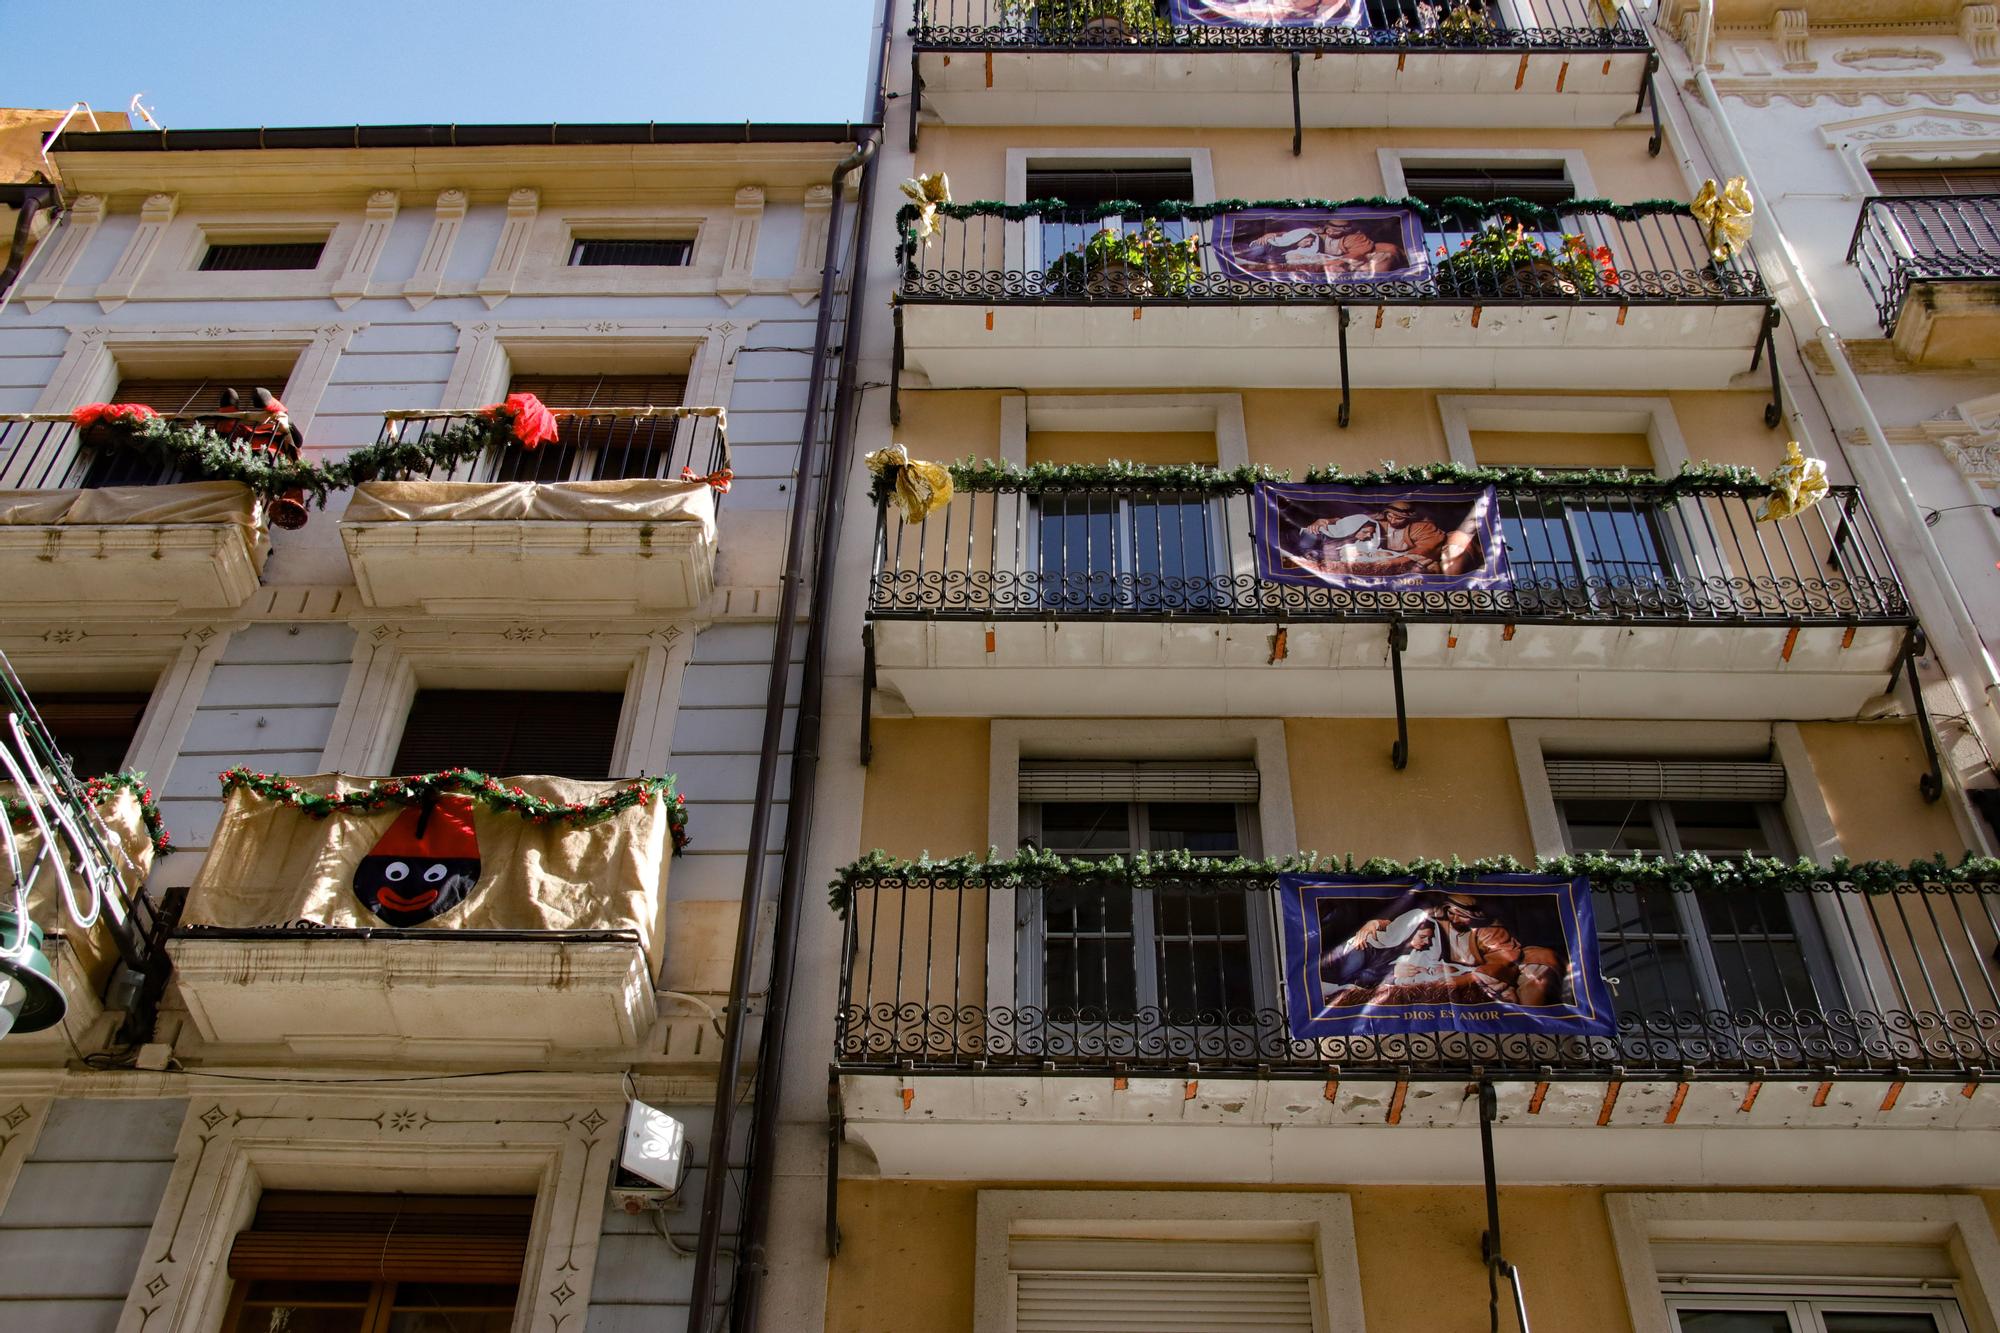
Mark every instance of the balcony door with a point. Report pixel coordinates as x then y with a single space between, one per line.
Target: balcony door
598 448
1948 217
1110 967
1587 548
1676 957
1087 187
1137 553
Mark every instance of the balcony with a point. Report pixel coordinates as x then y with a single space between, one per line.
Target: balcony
1556 63
455 920
615 517
1047 299
87 526
1932 268
1143 598
1024 994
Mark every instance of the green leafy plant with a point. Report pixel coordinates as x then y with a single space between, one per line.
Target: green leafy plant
1115 18
1146 262
1464 26
1182 478
200 452
1507 257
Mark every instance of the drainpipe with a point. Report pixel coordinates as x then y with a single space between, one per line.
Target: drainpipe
19 257
1805 308
797 541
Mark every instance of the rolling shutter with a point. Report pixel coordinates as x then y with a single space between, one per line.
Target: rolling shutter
1046 780
1664 780
1936 180
1087 188
372 1238
1084 1285
198 393
511 733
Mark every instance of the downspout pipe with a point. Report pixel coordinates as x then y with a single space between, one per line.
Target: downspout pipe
722 1125
33 199
1982 712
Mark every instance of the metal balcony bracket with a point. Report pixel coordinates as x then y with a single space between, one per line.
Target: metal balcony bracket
1649 94
1931 784
1497 1266
1767 353
917 97
867 693
1298 123
836 1134
1399 639
1346 393
896 373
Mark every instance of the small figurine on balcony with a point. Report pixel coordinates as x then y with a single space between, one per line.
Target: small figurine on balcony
425 865
274 435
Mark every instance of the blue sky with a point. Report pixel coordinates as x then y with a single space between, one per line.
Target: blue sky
343 62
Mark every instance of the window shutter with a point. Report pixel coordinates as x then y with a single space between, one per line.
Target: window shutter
1087 188
1843 1262
1664 780
511 733
1073 1285
577 392
194 394
1936 180
257 256
1045 780
1537 185
372 1238
94 730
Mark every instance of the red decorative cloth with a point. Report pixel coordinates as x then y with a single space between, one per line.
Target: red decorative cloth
719 480
534 424
92 414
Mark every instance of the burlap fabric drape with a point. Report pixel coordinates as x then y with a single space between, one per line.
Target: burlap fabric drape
95 952
271 865
635 500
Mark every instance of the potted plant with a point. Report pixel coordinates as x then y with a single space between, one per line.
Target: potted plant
1145 262
1465 26
1505 259
1095 20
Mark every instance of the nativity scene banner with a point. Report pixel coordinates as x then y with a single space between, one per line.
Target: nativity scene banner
1322 246
1386 538
1500 953
1271 13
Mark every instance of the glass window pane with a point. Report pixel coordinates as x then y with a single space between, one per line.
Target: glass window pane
451 1321
1170 538
1205 956
1721 828
1876 1321
1735 1321
1208 827
1620 543
1086 827
1079 558
455 1295
1087 958
300 1319
1612 826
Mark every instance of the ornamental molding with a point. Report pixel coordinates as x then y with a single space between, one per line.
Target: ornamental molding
1889 59
1913 127
1940 90
561 1152
1978 457
21 1121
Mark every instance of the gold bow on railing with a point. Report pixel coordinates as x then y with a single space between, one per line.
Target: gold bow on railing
927 192
1797 484
921 488
1724 215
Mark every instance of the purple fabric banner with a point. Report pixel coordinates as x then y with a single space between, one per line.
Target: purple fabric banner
1432 538
1502 953
1271 13
1322 245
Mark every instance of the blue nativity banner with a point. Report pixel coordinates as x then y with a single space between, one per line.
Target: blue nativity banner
1322 246
1497 953
1424 538
1271 13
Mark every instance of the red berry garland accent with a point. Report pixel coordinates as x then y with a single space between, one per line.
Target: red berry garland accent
97 791
489 791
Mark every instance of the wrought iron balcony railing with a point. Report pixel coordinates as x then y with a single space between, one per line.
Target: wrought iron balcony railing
1580 553
1905 240
595 444
43 452
1050 253
962 970
1388 25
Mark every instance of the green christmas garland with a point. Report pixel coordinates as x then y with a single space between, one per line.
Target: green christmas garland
1456 207
94 791
1691 871
214 457
465 438
1198 478
487 790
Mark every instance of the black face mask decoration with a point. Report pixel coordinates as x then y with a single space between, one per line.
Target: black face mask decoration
425 865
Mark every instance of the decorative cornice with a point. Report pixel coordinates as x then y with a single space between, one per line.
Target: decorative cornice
1947 91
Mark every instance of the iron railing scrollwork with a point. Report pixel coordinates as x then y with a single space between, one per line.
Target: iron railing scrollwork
593 444
1579 554
953 972
1905 240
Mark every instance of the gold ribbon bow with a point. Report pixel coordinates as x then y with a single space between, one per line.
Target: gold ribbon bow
1725 216
927 192
921 488
1797 484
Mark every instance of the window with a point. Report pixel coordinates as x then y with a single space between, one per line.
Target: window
1775 1314
248 256
1160 954
1151 552
556 733
363 1263
655 252
1085 188
1598 544
1671 955
599 448
94 729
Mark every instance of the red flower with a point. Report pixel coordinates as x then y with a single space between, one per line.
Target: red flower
91 414
534 424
